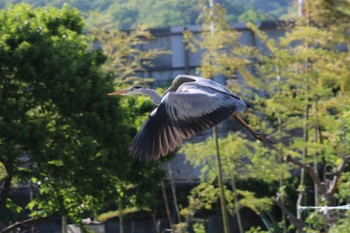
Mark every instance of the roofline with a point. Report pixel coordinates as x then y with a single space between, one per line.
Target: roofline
178 30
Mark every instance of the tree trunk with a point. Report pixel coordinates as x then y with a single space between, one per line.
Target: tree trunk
64 224
173 192
304 154
238 214
316 191
224 213
121 223
299 225
5 192
167 206
281 181
31 196
156 223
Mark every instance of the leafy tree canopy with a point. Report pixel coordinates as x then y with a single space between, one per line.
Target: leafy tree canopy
58 128
131 13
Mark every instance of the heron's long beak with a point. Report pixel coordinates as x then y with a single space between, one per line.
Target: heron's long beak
120 92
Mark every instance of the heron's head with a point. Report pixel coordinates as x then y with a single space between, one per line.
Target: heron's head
131 91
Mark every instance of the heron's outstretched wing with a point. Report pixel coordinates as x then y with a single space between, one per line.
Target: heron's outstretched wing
179 116
157 136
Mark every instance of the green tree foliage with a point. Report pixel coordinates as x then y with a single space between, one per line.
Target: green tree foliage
223 55
304 76
234 155
256 11
126 53
131 13
58 129
299 86
338 6
218 42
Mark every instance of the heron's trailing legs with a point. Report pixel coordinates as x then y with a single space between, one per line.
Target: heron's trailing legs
260 136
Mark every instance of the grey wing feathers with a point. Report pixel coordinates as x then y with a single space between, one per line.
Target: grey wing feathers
179 116
195 99
157 137
190 106
189 81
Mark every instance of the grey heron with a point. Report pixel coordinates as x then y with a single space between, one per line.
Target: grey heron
189 106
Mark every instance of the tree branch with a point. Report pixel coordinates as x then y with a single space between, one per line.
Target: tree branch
333 186
299 225
4 192
309 169
23 223
342 165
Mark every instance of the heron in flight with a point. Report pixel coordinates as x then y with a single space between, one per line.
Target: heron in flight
189 106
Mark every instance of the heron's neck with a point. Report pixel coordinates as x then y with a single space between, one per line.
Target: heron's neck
156 98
